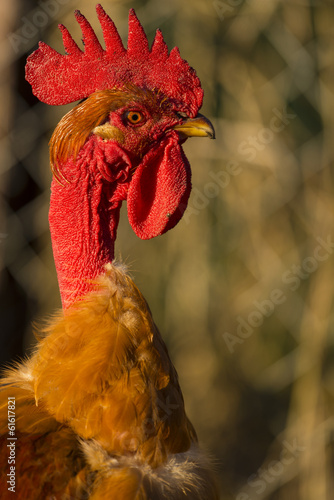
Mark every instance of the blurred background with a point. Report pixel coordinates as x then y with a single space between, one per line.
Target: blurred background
242 288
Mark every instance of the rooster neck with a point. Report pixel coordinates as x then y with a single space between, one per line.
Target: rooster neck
86 207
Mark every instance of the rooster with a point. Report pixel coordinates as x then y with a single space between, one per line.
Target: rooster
97 411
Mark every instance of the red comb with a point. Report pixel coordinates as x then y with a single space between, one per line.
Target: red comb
61 79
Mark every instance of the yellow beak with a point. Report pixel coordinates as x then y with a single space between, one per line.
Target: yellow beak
196 127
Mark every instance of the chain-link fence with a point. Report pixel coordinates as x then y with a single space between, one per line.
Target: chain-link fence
242 288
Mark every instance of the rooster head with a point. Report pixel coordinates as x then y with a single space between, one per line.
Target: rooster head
139 105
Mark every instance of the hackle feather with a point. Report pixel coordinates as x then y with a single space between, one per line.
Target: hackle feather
102 383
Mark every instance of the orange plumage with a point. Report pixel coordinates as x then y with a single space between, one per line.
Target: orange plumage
98 409
102 373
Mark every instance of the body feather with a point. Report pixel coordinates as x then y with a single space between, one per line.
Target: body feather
102 393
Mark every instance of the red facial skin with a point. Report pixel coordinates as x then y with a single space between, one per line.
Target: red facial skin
99 168
142 162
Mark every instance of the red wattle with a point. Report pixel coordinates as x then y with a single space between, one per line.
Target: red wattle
159 190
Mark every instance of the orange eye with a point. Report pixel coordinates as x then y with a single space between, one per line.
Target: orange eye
135 117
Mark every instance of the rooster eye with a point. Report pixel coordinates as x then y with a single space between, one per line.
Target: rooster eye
134 117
